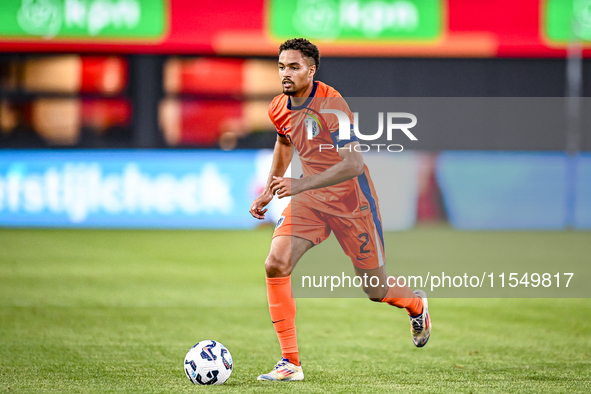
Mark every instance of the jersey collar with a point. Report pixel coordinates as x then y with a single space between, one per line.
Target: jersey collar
305 104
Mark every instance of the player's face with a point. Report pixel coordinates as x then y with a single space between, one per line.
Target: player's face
295 73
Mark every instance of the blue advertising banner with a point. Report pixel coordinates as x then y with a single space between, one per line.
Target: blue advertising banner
164 189
515 190
582 198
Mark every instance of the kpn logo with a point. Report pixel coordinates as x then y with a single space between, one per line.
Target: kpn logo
582 15
356 19
40 17
328 17
83 18
567 20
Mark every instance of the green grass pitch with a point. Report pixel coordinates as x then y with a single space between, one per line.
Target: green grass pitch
101 311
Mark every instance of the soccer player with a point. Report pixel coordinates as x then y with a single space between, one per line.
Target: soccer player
335 194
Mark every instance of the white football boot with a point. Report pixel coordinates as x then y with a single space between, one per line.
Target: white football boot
420 326
284 371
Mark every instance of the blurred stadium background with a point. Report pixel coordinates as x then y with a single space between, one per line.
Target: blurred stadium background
152 114
86 86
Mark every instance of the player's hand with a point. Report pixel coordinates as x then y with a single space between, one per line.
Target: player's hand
256 209
285 187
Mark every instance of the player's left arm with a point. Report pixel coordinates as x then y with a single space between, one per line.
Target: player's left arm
349 167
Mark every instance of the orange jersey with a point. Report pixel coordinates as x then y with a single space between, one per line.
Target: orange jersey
352 198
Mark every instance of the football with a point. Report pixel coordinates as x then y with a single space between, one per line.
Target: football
208 362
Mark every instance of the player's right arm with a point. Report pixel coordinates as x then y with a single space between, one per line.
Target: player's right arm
281 159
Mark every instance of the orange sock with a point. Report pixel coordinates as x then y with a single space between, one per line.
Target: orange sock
403 297
282 308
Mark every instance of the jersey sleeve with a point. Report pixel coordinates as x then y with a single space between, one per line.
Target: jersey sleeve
273 116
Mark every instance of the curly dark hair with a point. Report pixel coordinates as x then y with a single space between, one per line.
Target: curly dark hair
304 46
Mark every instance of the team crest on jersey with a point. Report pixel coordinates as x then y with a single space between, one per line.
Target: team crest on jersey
280 222
312 127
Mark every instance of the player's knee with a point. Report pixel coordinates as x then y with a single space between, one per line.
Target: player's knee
276 267
375 294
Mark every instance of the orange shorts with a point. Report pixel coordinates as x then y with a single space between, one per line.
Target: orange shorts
361 238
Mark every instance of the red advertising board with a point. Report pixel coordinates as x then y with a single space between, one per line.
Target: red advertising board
455 28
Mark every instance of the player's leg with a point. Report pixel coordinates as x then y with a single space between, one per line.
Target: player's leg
284 254
415 303
378 288
381 288
286 251
362 240
287 247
